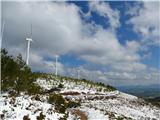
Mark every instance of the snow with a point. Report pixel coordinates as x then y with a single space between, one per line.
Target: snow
97 104
94 114
69 85
127 96
125 107
25 105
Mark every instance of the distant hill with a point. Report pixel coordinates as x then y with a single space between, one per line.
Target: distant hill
148 91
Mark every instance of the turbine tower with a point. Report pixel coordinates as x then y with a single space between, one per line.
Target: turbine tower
1 37
56 65
2 30
28 47
78 75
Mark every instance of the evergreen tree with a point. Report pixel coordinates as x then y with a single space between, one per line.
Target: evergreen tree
8 68
16 75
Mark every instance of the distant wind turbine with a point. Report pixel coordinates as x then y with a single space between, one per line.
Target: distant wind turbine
56 65
2 31
28 47
78 73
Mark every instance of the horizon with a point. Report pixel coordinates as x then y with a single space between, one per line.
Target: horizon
109 42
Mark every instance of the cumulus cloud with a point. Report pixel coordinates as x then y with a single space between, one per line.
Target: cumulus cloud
145 20
62 32
118 77
130 67
133 78
59 29
104 10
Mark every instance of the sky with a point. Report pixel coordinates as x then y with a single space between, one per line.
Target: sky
116 43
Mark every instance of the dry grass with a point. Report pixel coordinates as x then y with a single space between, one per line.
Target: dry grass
80 113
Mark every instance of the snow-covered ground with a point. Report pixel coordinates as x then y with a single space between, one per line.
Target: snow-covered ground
15 108
123 106
69 85
96 104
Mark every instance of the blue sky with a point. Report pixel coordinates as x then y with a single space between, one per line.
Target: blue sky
115 42
124 32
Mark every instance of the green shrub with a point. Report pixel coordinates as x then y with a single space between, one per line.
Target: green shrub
60 85
73 104
26 117
41 116
111 88
59 101
15 73
34 89
37 97
12 93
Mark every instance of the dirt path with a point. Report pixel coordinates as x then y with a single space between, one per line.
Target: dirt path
80 113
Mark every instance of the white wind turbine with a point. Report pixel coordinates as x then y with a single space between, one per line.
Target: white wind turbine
78 73
2 31
56 72
28 47
1 34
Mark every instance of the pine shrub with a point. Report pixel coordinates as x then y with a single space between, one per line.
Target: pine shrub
60 85
34 89
41 116
58 101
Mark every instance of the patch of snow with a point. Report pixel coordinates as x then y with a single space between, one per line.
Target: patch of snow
16 108
93 114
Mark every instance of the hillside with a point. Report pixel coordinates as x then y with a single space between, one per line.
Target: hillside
65 98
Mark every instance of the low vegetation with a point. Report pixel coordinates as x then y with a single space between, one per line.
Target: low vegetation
16 75
58 101
41 116
61 104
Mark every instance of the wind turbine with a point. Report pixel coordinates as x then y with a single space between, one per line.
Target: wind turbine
28 47
56 65
78 75
1 34
2 31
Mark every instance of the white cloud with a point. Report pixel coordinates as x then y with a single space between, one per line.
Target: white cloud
59 29
104 10
146 21
63 32
104 48
129 67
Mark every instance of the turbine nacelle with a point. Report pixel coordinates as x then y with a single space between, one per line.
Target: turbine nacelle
29 39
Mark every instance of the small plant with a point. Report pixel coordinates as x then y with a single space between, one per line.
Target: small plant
2 116
120 118
34 89
41 116
12 93
60 85
59 101
37 98
73 104
26 117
